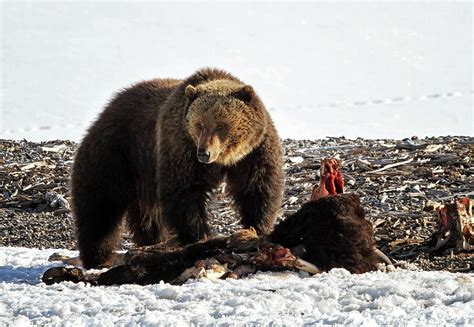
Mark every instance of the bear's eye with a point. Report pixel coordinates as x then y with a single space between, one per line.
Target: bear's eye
219 127
199 126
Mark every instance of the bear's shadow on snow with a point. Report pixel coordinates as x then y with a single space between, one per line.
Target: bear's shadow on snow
23 275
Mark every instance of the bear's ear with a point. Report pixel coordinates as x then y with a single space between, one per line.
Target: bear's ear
190 92
246 93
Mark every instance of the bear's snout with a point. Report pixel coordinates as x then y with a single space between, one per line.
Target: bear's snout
203 155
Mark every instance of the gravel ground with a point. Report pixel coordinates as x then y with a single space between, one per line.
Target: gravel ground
395 179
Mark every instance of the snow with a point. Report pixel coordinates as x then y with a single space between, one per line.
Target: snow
374 70
338 297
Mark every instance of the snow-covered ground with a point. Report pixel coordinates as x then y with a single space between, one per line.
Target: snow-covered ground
376 70
402 297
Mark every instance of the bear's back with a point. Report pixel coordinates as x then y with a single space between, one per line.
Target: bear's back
125 130
132 112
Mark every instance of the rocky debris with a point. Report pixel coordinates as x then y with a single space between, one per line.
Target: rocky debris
399 182
34 211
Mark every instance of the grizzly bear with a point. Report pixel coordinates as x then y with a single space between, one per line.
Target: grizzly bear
157 151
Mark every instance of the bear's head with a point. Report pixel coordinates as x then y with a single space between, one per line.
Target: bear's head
225 119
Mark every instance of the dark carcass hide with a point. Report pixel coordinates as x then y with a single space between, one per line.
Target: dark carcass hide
329 231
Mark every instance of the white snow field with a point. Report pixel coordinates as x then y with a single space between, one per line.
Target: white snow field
375 70
398 298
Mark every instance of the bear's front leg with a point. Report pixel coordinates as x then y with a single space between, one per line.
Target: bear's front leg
185 211
256 184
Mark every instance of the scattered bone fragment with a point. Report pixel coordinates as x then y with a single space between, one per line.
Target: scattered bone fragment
74 261
455 226
56 200
443 173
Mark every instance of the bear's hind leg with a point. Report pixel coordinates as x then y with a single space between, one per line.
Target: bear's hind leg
101 191
98 232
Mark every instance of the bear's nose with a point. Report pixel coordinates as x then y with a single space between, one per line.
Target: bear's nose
203 155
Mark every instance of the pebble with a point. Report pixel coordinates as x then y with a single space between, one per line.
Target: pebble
394 198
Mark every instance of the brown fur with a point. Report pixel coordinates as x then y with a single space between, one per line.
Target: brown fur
138 160
333 231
